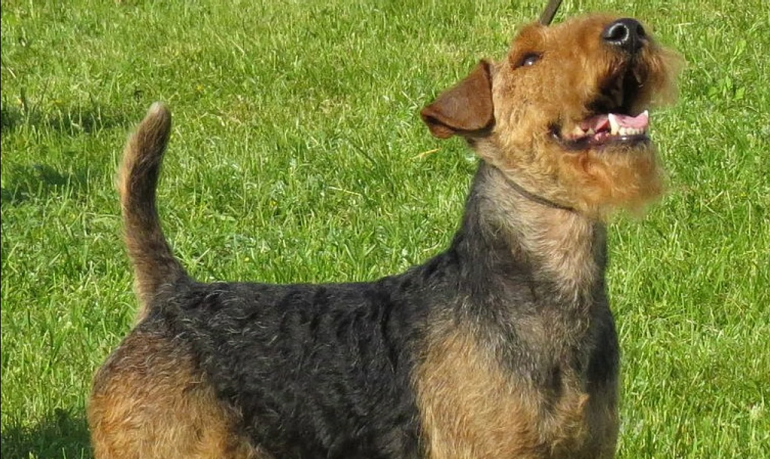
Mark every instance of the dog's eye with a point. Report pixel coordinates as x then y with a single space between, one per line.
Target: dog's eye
529 60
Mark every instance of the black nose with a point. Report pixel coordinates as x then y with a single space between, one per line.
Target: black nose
626 33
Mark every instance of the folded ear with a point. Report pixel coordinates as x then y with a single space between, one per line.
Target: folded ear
464 108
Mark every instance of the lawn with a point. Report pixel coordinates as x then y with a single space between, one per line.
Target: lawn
297 155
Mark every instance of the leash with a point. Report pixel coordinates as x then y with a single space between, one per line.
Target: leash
550 12
545 19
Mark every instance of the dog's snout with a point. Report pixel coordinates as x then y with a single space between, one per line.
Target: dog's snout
625 33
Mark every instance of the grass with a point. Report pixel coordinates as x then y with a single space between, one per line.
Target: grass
296 156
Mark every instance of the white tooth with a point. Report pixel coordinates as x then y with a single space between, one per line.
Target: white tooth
578 132
590 131
614 125
623 131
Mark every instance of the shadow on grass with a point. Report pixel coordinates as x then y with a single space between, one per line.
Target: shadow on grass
40 180
24 181
60 435
74 120
10 117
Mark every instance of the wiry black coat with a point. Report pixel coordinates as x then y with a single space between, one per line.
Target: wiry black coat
326 370
317 370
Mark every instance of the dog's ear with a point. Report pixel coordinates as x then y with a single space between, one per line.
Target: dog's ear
464 109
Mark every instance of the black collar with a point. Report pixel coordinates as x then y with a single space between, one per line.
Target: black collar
538 199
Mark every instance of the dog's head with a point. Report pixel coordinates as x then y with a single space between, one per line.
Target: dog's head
566 114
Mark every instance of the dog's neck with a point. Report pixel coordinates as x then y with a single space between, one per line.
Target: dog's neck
561 249
535 272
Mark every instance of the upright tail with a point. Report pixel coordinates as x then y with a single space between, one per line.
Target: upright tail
154 264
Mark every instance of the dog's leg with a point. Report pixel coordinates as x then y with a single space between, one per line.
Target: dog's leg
150 401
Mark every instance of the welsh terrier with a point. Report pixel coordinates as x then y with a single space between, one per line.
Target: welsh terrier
502 346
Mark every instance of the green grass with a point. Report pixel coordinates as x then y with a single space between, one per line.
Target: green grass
294 157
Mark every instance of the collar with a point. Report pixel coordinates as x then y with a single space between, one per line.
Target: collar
535 198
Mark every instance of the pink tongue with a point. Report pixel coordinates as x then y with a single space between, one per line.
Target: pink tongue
637 122
602 122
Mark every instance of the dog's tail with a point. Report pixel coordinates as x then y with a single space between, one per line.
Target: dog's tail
154 264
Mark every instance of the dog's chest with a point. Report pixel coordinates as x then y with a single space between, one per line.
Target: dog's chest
471 407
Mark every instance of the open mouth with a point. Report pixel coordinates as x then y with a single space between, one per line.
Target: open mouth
615 117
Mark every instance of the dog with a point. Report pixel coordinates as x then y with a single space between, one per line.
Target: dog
502 346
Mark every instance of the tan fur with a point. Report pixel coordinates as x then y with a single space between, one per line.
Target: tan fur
515 136
471 406
590 181
154 264
472 409
149 401
560 240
